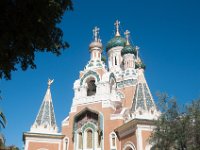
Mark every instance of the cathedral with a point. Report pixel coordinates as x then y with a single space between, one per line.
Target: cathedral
112 107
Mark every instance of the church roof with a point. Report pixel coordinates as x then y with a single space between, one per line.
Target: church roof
46 117
143 99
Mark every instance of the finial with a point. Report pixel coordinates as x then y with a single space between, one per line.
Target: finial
117 23
50 82
95 33
127 33
137 51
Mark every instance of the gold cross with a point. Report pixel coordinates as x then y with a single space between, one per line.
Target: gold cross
127 33
117 23
95 33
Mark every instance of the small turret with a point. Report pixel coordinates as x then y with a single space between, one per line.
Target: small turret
128 53
96 46
113 48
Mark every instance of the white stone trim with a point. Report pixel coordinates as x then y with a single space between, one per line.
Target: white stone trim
111 136
64 143
139 130
65 122
42 140
129 144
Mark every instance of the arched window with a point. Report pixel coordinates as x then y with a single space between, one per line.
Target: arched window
115 60
89 139
112 85
91 87
80 140
129 146
65 143
99 139
113 144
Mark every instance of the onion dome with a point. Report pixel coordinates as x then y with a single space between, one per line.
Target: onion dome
117 40
128 49
97 42
139 64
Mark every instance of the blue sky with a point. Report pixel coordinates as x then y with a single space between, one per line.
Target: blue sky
167 32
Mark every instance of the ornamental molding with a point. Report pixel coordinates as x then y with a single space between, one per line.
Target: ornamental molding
88 74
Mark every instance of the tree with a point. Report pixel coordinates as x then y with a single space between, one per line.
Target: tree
29 26
193 112
2 120
177 128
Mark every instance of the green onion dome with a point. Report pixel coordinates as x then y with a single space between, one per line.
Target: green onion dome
116 41
128 49
140 64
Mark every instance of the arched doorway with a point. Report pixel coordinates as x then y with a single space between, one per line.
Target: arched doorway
129 146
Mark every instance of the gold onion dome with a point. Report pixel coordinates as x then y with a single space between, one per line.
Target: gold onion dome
97 42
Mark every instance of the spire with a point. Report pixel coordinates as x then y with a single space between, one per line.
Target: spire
143 101
45 121
117 23
127 34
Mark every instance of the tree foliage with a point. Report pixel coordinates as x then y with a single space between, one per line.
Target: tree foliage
2 120
177 128
29 26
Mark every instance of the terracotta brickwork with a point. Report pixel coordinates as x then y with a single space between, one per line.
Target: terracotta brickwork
145 137
38 145
131 138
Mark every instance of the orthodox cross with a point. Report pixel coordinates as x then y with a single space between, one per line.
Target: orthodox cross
50 82
127 33
137 51
117 23
95 33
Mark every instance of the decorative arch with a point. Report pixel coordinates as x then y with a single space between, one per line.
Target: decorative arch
120 94
88 119
129 146
112 81
112 76
88 74
66 143
113 140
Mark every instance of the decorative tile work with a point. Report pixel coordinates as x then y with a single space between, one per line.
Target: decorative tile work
140 97
148 98
128 82
88 74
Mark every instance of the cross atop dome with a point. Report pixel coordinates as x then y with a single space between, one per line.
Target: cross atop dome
95 33
127 34
117 23
137 51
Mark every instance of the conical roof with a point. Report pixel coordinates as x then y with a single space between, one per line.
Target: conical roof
143 99
45 120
